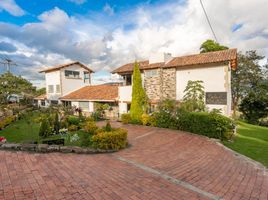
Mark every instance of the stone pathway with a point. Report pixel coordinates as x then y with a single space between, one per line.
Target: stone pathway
160 164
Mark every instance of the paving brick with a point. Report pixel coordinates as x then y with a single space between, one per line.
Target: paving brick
200 162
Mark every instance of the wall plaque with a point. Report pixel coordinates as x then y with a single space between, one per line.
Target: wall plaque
216 98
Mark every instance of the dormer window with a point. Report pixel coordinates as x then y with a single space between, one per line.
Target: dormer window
72 74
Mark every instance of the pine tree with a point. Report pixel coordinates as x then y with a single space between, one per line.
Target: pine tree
138 95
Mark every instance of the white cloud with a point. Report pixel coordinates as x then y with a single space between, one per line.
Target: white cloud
105 42
108 9
79 2
11 7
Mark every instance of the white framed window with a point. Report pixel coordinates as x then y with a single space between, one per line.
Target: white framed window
57 88
72 74
84 105
50 89
151 73
86 77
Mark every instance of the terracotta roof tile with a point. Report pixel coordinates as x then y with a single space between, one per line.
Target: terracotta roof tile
41 97
196 59
203 58
96 92
66 65
142 64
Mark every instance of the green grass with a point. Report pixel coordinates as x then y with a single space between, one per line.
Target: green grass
251 141
22 132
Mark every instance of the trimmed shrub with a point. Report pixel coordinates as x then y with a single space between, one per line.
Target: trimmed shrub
73 128
209 124
148 120
165 119
73 120
56 123
90 127
45 129
113 140
126 118
85 139
108 127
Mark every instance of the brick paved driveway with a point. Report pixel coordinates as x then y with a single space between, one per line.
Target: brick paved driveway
160 164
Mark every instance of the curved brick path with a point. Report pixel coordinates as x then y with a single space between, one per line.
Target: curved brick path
160 164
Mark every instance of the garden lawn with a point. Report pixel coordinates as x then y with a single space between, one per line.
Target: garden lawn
251 141
21 131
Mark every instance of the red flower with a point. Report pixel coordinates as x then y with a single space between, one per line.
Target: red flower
3 139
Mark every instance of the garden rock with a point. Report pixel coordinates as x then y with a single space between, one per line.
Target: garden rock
42 148
28 147
53 148
66 149
11 146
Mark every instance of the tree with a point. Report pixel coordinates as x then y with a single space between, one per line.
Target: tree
11 84
255 104
138 101
44 130
194 98
211 45
247 76
40 91
56 123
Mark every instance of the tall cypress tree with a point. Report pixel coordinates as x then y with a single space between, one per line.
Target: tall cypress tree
138 95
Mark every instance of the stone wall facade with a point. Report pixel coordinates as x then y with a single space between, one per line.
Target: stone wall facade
162 86
152 86
169 83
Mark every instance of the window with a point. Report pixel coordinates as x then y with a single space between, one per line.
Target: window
72 74
57 88
151 73
43 103
86 77
127 79
50 89
54 102
84 105
67 104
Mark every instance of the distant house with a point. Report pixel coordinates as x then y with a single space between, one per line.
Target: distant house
163 77
62 80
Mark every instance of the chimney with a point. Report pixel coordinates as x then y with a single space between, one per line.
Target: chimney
160 57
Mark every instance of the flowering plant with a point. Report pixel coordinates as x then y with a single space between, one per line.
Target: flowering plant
74 138
3 139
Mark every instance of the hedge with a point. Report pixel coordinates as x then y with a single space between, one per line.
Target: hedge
209 124
115 139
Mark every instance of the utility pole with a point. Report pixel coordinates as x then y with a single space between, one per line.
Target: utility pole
8 63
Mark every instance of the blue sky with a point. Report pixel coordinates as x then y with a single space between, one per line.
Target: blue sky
105 34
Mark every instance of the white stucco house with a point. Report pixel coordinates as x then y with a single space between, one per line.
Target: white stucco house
163 77
62 80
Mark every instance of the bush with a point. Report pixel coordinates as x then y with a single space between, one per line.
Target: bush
108 127
45 129
115 139
90 127
56 123
73 128
97 116
85 139
209 124
165 119
125 118
148 120
73 120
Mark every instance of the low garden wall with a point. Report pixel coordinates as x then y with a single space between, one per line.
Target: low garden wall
45 148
